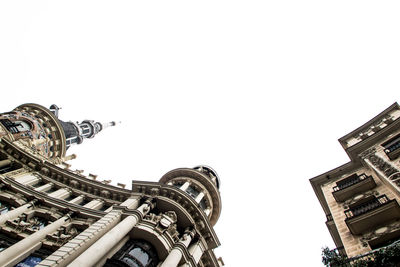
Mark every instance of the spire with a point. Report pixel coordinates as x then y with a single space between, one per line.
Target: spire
76 132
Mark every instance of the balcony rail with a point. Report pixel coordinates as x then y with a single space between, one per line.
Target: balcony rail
354 179
366 206
378 257
392 146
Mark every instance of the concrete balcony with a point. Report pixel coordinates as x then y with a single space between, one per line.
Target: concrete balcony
370 213
351 186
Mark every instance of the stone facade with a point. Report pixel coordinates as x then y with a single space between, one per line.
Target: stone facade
360 198
54 216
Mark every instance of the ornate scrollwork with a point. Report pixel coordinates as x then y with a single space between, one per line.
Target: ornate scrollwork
74 184
23 222
63 235
105 193
356 198
164 222
368 152
382 165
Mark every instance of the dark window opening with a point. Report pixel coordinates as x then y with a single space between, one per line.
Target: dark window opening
177 184
71 197
84 202
38 223
17 126
51 190
203 204
38 184
192 191
10 167
105 207
392 147
30 261
135 253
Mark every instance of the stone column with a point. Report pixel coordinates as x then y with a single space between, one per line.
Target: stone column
4 163
16 212
207 211
199 197
28 179
61 193
78 200
95 204
73 248
20 250
131 203
184 186
175 255
196 251
44 187
99 249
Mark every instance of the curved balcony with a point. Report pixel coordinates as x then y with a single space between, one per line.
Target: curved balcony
371 212
352 185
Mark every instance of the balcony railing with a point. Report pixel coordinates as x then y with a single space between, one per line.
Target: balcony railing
352 185
354 179
392 148
366 206
385 256
371 213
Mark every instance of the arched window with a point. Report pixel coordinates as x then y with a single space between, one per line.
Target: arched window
16 126
135 253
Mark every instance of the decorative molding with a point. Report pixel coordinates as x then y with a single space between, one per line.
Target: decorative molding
357 198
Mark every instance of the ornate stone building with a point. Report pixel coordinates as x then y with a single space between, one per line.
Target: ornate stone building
360 198
54 216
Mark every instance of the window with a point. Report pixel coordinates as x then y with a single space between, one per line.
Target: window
16 126
392 147
192 191
29 262
4 208
135 253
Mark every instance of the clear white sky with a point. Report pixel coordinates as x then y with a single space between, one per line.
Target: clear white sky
259 90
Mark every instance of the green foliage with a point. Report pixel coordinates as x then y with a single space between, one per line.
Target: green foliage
332 258
388 257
